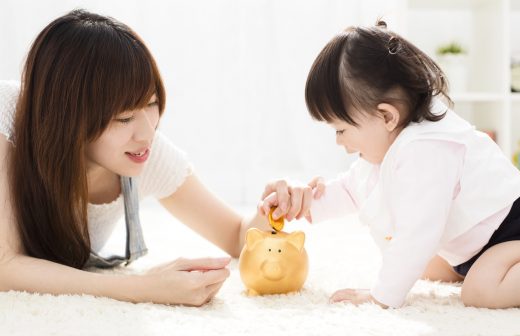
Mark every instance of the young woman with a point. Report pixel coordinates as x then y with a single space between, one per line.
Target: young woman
74 137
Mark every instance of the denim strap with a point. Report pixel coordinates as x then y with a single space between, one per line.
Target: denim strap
135 245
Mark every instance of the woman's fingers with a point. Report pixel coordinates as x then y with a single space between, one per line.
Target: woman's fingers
201 264
212 277
206 294
213 289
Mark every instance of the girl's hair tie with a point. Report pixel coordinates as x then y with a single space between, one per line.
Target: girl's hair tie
393 45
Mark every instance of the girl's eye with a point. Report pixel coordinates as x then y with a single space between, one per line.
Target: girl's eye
125 120
155 103
340 132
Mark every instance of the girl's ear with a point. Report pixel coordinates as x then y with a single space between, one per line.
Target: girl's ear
390 115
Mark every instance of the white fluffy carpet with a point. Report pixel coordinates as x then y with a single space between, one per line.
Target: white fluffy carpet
341 255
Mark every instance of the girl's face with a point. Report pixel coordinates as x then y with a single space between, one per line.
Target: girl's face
372 137
124 146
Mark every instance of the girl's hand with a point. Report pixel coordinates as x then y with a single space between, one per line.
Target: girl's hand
354 296
292 201
191 282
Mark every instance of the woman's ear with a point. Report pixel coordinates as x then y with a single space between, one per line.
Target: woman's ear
390 114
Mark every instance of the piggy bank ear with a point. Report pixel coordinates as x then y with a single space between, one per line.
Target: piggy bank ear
297 239
253 236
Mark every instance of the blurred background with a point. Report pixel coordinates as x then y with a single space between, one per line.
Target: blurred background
235 73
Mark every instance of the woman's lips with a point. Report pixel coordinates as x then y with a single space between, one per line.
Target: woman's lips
139 157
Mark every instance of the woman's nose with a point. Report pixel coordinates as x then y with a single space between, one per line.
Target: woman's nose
146 127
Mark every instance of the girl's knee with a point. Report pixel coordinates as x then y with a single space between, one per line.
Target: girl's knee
480 294
472 296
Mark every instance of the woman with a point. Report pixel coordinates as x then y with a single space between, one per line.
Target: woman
73 139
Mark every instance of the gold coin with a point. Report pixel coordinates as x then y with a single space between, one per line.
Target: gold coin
275 224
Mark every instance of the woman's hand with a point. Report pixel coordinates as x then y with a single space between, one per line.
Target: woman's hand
292 201
354 296
191 282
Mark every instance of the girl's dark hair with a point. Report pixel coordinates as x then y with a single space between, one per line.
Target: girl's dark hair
363 67
81 71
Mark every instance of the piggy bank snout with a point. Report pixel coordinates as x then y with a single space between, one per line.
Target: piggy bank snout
272 270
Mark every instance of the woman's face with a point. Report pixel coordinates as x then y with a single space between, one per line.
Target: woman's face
124 147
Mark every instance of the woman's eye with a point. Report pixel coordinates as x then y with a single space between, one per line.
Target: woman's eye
340 132
155 103
125 120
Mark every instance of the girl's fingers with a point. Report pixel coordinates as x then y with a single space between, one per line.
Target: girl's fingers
306 203
269 189
342 295
296 203
282 191
280 211
318 186
269 202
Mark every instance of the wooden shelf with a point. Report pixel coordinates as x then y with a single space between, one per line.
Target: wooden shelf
515 96
489 102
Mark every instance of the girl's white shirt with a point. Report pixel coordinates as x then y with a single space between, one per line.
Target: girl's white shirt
442 188
165 170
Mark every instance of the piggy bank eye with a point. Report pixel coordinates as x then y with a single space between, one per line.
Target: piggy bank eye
279 251
269 250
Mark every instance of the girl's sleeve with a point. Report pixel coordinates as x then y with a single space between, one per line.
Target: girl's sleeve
338 199
167 169
423 185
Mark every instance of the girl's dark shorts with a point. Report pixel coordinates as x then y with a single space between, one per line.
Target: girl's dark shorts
507 231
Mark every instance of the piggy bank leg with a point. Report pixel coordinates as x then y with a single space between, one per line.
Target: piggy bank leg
252 292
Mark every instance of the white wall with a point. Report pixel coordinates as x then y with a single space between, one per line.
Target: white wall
235 73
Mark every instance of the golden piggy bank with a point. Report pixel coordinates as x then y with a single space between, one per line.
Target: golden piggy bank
273 262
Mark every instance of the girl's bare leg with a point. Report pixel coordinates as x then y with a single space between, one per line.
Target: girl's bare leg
494 279
439 270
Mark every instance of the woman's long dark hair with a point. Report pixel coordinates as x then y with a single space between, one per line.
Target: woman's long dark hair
81 71
362 67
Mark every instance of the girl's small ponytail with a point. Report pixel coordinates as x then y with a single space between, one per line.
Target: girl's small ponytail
381 24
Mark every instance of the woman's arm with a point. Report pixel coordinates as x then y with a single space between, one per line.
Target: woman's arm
177 282
198 208
22 273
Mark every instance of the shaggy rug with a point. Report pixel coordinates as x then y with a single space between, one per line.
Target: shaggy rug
341 255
